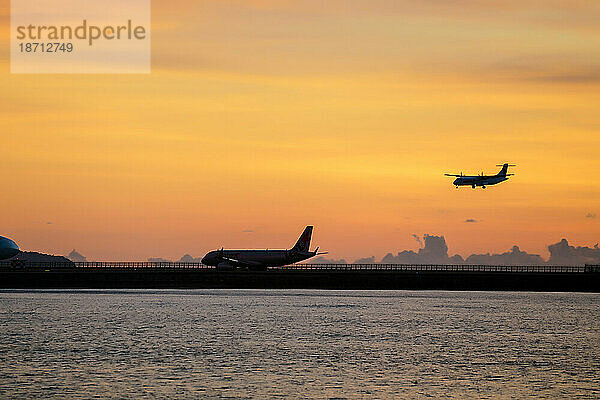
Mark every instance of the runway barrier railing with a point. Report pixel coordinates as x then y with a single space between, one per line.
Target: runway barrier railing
148 265
447 268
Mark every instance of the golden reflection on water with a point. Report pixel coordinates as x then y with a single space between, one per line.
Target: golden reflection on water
297 344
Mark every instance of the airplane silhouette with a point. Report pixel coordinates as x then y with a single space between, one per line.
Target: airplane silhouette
482 180
261 259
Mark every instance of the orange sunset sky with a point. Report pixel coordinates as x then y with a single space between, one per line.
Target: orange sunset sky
260 117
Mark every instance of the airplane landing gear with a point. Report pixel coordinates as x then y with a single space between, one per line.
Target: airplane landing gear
473 186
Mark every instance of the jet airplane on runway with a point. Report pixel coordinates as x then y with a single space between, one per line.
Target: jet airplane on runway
482 180
261 259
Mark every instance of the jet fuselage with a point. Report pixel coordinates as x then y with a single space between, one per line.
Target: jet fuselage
263 258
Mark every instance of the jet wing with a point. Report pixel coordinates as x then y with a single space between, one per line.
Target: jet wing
239 262
453 175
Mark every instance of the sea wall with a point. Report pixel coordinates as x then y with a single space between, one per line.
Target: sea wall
294 279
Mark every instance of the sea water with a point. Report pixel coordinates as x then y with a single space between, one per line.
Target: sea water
240 344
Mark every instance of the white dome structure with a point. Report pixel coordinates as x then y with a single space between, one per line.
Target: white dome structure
8 248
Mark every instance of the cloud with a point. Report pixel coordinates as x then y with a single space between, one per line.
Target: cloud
366 260
435 251
513 257
548 69
76 256
418 239
248 231
590 215
189 259
323 260
470 220
562 253
287 37
574 77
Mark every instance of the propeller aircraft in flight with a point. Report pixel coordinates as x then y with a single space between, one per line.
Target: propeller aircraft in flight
482 180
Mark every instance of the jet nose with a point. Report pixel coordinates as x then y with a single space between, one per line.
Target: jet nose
8 248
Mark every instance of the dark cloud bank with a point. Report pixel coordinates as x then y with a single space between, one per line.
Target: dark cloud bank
186 258
435 251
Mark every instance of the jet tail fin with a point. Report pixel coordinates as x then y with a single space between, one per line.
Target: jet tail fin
303 243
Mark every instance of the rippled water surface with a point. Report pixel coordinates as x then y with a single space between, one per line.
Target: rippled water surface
298 344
